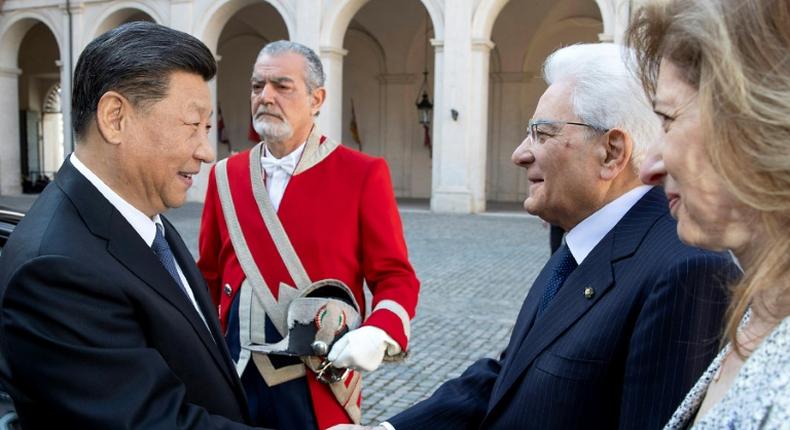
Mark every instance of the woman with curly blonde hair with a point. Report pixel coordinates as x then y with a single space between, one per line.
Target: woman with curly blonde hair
718 72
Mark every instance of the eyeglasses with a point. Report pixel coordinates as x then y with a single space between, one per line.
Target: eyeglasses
552 128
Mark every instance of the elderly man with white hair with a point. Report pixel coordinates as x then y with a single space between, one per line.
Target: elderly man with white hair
623 318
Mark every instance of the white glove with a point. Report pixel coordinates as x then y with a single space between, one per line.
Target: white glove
362 349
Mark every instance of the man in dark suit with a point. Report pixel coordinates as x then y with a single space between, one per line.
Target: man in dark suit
105 320
623 318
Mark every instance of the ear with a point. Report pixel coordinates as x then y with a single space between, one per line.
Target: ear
317 100
112 113
617 145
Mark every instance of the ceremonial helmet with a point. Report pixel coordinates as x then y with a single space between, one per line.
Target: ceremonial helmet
323 312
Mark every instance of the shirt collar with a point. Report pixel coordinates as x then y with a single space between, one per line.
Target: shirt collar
142 224
294 155
585 236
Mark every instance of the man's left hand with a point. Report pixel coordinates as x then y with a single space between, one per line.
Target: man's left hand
362 349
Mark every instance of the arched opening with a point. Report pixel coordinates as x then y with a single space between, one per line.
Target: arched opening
52 130
122 16
388 46
40 116
240 40
525 33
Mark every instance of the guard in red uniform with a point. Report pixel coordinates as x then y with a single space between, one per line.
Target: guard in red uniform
295 209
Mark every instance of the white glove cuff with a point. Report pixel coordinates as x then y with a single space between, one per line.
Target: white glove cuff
393 348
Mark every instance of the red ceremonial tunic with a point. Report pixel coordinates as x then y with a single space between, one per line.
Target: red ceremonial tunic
342 219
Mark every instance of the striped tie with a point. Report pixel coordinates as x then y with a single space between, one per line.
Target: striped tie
564 263
162 251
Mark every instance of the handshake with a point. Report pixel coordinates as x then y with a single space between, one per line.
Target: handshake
362 349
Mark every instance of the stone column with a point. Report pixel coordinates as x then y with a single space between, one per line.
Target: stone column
181 15
64 68
68 60
10 166
478 126
308 23
331 115
616 15
455 118
439 108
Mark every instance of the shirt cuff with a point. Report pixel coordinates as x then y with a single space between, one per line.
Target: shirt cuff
387 426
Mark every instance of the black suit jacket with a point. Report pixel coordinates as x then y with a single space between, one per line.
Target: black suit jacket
94 332
623 358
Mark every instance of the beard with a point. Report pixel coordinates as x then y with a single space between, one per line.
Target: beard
270 129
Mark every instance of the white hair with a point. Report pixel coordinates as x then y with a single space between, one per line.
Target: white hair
606 94
314 75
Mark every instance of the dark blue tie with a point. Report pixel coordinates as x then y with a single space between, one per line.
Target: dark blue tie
563 265
162 250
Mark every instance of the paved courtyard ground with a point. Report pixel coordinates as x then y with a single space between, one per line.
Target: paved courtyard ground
475 271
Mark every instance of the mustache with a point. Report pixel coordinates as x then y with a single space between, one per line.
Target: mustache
262 110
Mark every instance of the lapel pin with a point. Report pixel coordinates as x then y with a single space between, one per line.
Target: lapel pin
589 292
228 290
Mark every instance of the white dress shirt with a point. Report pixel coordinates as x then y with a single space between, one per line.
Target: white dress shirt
588 233
278 172
140 222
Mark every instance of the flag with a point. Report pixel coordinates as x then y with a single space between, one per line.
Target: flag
252 135
427 138
221 135
353 127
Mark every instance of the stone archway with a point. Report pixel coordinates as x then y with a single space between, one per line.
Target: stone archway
240 40
215 19
120 13
387 51
336 22
366 63
210 29
25 76
525 33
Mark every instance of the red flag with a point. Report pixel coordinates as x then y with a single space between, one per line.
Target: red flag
252 135
353 126
221 136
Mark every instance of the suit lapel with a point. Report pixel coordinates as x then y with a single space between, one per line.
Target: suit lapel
198 285
529 309
566 308
524 323
129 249
570 303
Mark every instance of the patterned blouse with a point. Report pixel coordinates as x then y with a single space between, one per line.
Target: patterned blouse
759 397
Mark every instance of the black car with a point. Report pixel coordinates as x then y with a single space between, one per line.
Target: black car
8 220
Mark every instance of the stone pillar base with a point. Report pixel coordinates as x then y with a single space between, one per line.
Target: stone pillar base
456 201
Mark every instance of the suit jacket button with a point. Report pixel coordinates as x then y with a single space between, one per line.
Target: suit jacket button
589 292
228 290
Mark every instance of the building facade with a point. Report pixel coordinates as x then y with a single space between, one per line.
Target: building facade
478 60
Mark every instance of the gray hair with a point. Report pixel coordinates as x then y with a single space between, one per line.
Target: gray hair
314 71
606 94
